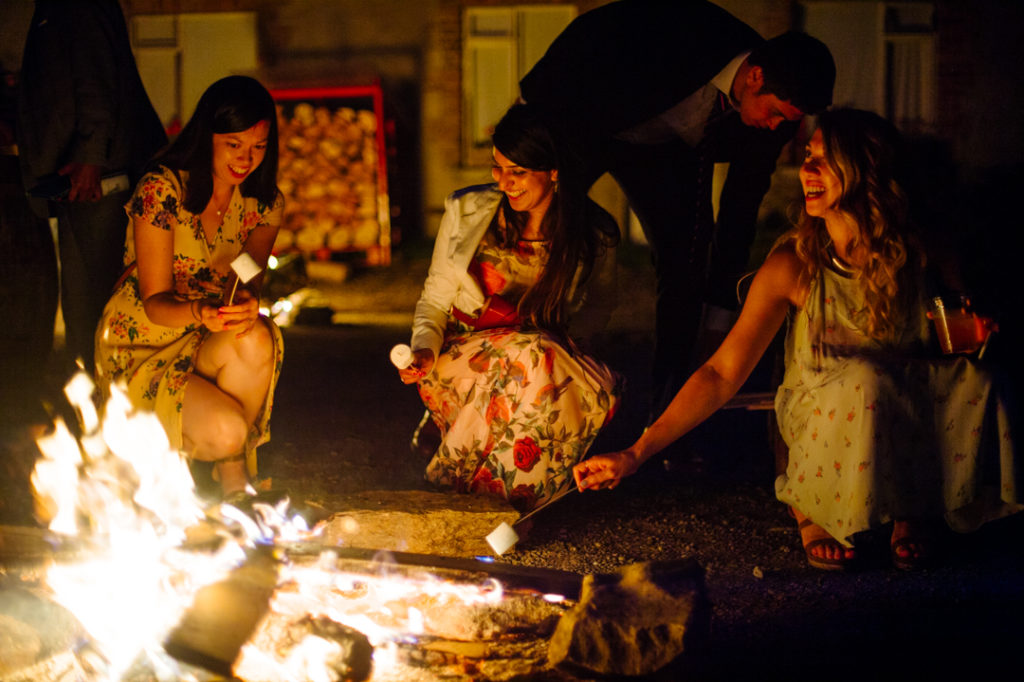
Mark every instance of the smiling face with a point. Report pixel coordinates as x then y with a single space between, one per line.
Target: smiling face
237 155
527 190
822 187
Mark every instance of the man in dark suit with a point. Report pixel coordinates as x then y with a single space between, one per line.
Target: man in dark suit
83 113
655 93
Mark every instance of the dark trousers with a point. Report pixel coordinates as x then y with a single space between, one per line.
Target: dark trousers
28 299
90 239
661 183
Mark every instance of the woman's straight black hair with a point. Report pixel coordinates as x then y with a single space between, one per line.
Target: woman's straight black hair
231 105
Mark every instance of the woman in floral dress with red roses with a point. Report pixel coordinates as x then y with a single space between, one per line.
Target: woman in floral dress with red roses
515 398
203 360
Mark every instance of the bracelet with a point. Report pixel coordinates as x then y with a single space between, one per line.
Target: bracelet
192 307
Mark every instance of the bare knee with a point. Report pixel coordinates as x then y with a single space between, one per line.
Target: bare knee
221 434
256 349
227 349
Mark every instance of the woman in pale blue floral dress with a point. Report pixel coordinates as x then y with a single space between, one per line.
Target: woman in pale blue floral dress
878 433
516 399
173 334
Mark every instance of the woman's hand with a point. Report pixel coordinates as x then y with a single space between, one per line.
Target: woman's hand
422 363
604 471
239 317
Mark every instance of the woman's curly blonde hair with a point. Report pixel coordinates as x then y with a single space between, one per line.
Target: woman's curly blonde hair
863 150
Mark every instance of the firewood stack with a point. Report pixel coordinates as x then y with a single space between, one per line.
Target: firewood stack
328 174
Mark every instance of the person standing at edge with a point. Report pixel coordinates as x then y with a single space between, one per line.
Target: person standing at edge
84 113
655 93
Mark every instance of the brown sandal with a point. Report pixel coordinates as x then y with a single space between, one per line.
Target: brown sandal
820 562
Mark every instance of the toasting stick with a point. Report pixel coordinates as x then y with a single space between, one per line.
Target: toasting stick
504 537
245 268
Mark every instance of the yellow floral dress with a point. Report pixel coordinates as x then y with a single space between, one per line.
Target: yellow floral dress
874 436
153 361
516 408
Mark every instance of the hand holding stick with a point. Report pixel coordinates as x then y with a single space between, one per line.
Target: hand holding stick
401 356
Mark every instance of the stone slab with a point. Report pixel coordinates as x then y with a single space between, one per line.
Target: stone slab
417 521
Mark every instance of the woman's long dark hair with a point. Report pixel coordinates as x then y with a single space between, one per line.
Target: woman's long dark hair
230 105
577 236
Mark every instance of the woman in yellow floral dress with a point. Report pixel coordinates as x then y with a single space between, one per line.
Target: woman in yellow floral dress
516 399
180 333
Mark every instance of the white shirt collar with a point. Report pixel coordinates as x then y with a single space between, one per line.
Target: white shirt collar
723 81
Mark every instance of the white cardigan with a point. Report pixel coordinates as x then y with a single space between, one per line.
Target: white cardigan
467 214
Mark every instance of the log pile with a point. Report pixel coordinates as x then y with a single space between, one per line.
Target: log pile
328 175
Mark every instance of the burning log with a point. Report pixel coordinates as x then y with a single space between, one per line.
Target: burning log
224 615
314 646
26 545
35 637
426 617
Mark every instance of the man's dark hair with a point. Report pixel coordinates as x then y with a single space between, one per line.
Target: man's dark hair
797 69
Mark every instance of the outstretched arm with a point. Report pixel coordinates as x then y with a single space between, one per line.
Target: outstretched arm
775 288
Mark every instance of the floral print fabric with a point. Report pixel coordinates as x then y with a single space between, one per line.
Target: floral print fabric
873 438
515 407
153 361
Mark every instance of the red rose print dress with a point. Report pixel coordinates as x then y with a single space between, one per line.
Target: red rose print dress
873 438
154 361
515 407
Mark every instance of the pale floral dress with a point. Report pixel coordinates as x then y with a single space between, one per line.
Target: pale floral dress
516 408
153 361
874 436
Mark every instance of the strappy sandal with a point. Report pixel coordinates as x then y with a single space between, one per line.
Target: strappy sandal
820 562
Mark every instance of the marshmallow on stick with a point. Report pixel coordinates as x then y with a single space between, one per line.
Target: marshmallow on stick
401 356
502 538
246 268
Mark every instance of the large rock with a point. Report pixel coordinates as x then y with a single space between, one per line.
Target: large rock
444 524
634 622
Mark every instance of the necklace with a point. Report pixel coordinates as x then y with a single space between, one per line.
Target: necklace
221 209
841 267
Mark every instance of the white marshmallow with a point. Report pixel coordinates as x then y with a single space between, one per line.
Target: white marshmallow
401 356
502 538
245 267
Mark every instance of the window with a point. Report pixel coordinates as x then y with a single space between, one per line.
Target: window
885 56
500 45
180 55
